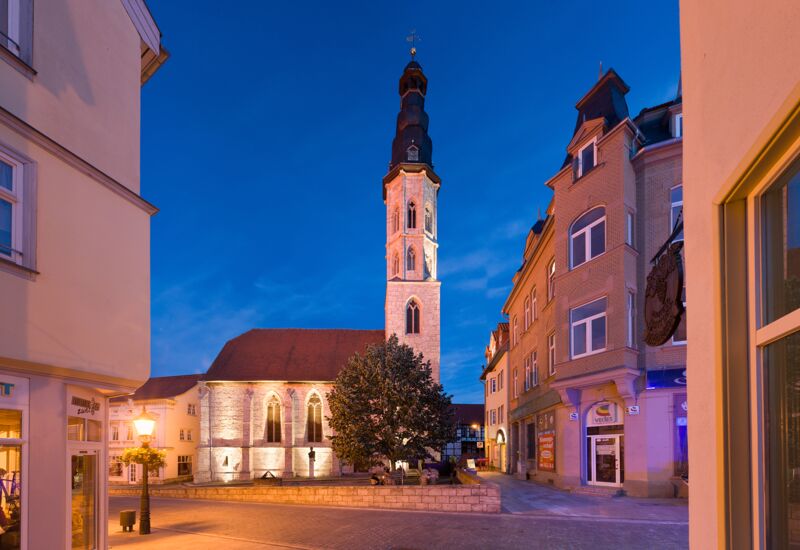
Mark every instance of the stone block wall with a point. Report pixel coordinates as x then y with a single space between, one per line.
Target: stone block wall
475 497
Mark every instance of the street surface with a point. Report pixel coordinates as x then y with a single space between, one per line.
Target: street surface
534 517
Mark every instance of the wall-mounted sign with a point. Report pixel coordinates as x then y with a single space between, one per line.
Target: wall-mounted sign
603 414
663 303
85 406
573 416
633 410
6 389
666 378
480 444
546 421
547 451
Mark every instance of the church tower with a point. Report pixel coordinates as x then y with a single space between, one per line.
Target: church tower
410 193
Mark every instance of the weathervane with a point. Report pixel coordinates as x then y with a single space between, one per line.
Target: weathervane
412 39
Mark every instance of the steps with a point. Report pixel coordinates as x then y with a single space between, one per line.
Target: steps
596 491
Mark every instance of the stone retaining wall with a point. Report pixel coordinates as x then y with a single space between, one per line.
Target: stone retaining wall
484 497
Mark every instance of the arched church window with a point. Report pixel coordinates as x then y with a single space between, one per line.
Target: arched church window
412 317
412 215
428 219
396 220
396 264
273 420
413 153
314 419
411 259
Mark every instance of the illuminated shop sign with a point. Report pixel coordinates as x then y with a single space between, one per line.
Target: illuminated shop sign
666 378
603 414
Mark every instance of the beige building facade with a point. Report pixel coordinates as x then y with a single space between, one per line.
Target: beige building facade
604 412
74 257
742 183
174 402
495 377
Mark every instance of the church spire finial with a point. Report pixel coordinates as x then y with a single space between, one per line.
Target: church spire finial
412 39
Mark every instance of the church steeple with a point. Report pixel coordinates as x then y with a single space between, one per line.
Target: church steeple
411 143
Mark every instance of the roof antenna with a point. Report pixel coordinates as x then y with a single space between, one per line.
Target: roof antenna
600 72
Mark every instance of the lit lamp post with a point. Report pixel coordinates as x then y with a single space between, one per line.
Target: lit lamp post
145 424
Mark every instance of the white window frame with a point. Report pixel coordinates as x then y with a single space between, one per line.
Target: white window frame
12 41
534 368
500 381
527 317
534 309
515 332
581 170
551 353
493 385
527 382
631 314
672 205
516 383
587 239
551 280
677 125
15 196
115 431
588 322
630 233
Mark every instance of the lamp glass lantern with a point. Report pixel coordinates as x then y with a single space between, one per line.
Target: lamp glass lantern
145 423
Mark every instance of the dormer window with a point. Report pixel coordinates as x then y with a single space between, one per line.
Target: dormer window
585 160
412 154
677 125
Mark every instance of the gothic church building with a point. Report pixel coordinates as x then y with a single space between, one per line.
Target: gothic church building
263 400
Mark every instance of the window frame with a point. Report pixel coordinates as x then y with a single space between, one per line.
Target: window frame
587 232
551 353
314 407
527 316
630 305
551 280
23 198
415 309
515 383
534 309
534 368
677 125
588 322
630 228
672 205
411 215
527 364
581 171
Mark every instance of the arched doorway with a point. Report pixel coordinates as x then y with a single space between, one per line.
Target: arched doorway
501 450
605 445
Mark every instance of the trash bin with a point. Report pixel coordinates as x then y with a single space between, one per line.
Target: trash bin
127 518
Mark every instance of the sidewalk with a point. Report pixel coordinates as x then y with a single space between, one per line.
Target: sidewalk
530 498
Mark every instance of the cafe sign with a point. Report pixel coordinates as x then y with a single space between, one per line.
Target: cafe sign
603 414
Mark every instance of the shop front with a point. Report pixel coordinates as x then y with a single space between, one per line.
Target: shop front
605 445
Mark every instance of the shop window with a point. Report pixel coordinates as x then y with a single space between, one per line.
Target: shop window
531 441
184 465
588 237
588 328
84 429
10 476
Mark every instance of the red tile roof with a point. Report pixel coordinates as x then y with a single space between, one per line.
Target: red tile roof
290 354
162 387
469 414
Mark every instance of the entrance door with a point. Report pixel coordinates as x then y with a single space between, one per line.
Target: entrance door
605 460
85 485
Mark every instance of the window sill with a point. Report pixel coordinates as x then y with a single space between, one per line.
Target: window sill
15 269
12 59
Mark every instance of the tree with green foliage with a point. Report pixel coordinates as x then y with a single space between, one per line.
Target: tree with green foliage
385 405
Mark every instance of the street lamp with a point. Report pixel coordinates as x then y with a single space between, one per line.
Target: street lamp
145 424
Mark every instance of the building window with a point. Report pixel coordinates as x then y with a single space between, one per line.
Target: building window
115 432
629 229
515 332
428 219
396 220
676 211
631 320
411 259
494 385
588 328
516 384
10 25
527 381
588 236
129 432
184 465
396 264
191 409
412 153
412 215
314 419
531 440
412 317
182 435
551 280
534 308
585 160
188 435
527 318
534 369
501 413
677 125
551 353
11 208
680 333
500 381
114 466
273 420
84 429
494 417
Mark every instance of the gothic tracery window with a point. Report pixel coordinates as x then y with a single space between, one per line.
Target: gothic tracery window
273 420
411 259
314 419
412 215
412 317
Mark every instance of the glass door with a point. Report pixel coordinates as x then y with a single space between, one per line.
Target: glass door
84 499
605 455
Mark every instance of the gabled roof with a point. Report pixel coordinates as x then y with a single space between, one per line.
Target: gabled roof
290 354
162 387
468 414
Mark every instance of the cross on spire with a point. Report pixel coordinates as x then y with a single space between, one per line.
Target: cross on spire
412 39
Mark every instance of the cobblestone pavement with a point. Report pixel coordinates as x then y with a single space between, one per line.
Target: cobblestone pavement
198 524
527 497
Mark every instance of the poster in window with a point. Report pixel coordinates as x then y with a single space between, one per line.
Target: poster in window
547 452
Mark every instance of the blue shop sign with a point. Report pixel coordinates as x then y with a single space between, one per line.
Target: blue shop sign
667 378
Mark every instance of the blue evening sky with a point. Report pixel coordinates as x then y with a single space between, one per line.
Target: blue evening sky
267 133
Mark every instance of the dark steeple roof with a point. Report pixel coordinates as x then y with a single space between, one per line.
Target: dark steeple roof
605 100
411 144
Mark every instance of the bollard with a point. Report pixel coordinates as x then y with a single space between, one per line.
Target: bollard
127 518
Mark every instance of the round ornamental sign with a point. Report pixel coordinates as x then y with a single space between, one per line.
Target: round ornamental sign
663 304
